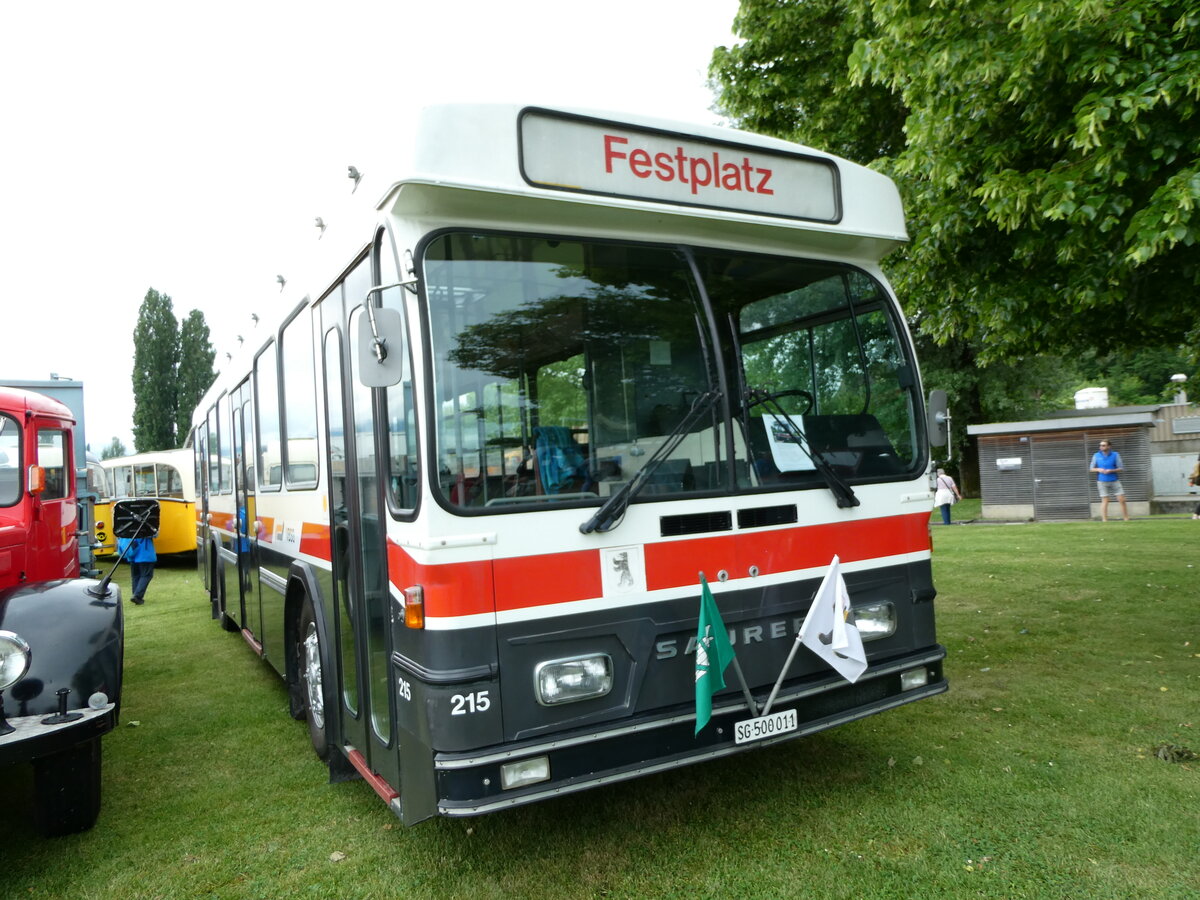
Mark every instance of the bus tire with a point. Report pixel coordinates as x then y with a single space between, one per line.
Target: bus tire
311 678
66 788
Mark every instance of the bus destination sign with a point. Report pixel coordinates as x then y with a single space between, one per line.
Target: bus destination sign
607 158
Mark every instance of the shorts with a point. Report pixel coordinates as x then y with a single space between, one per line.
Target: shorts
1110 488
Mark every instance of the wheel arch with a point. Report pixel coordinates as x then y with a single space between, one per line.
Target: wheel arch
303 584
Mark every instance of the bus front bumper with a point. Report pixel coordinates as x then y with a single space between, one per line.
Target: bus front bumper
472 783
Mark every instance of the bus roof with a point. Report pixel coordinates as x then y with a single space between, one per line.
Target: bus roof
640 162
510 165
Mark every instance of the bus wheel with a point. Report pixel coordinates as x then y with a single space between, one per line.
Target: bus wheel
66 788
312 682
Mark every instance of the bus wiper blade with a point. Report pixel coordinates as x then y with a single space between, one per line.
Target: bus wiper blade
842 492
610 512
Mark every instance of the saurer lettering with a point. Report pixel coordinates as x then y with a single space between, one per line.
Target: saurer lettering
710 170
747 634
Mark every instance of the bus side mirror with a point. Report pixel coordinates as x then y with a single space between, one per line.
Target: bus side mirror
380 347
938 412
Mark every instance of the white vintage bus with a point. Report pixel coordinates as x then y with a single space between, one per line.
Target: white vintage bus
460 492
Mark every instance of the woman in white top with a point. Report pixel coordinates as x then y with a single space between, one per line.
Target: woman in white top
947 494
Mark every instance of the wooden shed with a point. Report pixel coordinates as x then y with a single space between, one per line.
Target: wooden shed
1039 470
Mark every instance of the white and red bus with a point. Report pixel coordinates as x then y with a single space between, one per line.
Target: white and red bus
461 493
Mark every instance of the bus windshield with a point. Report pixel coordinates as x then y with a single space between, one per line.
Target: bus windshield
561 367
826 379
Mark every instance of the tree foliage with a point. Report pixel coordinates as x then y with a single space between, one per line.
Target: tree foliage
195 372
114 449
789 78
1048 153
155 358
172 367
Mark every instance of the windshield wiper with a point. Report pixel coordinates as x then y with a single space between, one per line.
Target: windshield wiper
842 492
609 515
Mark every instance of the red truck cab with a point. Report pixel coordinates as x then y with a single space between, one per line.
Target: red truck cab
39 514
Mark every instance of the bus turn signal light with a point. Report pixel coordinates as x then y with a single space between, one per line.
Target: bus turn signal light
414 607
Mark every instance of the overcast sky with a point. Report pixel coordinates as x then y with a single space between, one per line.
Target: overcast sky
153 144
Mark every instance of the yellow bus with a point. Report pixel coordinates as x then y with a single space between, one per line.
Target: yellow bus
167 476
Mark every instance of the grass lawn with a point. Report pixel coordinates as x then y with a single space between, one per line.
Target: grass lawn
1074 654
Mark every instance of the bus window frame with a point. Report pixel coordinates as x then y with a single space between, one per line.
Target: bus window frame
384 242
285 438
271 347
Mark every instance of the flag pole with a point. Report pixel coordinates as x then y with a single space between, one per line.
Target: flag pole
787 664
745 689
742 679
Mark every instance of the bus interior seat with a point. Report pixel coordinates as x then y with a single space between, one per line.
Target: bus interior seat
561 467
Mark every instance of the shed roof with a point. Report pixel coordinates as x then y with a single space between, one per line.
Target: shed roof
1074 420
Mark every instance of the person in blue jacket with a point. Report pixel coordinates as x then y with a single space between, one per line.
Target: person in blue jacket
1106 463
140 554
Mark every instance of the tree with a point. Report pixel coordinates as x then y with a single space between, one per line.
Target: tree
195 371
114 450
155 358
789 78
1047 157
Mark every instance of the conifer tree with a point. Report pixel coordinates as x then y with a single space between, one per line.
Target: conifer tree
195 372
155 381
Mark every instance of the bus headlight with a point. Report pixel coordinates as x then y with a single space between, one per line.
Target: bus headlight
878 620
526 771
577 678
14 658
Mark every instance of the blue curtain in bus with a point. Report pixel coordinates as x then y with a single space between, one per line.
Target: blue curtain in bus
561 466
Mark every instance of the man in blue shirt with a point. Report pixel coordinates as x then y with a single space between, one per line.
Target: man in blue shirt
1106 463
140 554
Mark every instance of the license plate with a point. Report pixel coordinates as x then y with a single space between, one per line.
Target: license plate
778 723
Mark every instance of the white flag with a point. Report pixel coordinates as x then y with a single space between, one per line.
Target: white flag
829 630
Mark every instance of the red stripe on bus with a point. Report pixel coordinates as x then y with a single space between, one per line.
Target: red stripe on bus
526 582
314 540
451 589
678 563
552 578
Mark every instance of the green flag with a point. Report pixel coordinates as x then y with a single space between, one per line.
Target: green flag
713 654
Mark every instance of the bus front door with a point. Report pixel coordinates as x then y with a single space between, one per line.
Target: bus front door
369 564
246 540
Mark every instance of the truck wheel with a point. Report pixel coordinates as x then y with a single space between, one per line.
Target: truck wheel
66 788
312 681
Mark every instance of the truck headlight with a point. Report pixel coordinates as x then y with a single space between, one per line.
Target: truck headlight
878 620
577 678
14 658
